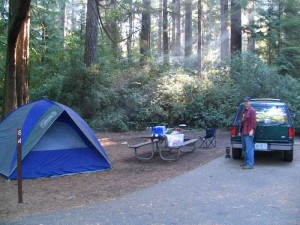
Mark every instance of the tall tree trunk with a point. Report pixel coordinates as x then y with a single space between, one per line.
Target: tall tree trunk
188 30
250 39
159 48
173 32
279 45
114 30
129 40
199 38
225 53
62 6
18 12
73 18
22 59
145 33
177 27
165 32
236 24
83 21
91 38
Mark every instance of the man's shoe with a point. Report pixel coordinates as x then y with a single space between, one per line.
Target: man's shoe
247 167
243 164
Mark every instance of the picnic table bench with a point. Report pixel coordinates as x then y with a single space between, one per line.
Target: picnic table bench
179 149
156 143
137 146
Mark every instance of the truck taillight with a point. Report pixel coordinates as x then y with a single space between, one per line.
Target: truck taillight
291 133
233 131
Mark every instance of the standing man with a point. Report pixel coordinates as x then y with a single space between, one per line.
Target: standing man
248 130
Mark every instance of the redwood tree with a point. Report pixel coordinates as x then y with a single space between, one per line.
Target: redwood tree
165 32
177 11
91 38
188 29
225 53
199 37
22 59
236 24
145 32
18 14
159 32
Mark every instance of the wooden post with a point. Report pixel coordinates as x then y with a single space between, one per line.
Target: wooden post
19 165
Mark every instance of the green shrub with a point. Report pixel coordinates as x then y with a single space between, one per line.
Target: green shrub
111 121
254 78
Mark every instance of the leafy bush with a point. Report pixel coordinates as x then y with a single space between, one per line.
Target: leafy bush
184 98
111 121
51 89
210 101
254 78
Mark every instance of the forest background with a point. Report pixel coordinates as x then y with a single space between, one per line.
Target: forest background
130 64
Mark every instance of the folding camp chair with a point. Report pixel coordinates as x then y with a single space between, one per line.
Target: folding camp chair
209 139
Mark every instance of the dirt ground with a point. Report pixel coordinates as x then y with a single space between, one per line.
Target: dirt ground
127 175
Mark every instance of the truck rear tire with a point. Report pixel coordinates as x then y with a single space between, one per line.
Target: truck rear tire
288 155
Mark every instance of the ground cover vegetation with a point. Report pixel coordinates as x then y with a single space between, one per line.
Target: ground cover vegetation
129 86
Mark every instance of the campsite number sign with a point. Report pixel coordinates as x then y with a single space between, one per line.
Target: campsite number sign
19 165
19 133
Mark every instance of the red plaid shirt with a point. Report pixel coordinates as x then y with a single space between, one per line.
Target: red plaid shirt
249 121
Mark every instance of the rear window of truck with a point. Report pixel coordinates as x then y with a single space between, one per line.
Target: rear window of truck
271 114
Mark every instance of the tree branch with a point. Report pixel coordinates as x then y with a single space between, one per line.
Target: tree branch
106 31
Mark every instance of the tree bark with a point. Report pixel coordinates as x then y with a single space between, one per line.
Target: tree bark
165 32
250 39
62 6
177 27
188 29
129 40
114 30
91 36
236 24
73 19
159 48
22 59
173 32
83 16
18 12
145 33
225 53
199 38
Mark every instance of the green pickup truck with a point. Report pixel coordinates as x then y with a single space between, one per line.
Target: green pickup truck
274 132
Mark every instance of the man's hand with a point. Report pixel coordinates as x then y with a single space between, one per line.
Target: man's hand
251 133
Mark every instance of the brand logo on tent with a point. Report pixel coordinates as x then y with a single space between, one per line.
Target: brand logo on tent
48 119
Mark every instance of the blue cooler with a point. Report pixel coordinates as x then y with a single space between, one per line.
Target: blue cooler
158 131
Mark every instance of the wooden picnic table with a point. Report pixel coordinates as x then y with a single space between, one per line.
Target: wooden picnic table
159 144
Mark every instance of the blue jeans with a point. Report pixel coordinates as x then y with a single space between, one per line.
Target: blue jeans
248 149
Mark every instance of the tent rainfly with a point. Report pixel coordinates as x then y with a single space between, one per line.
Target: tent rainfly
56 141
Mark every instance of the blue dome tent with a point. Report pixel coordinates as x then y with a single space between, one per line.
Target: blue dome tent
56 141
